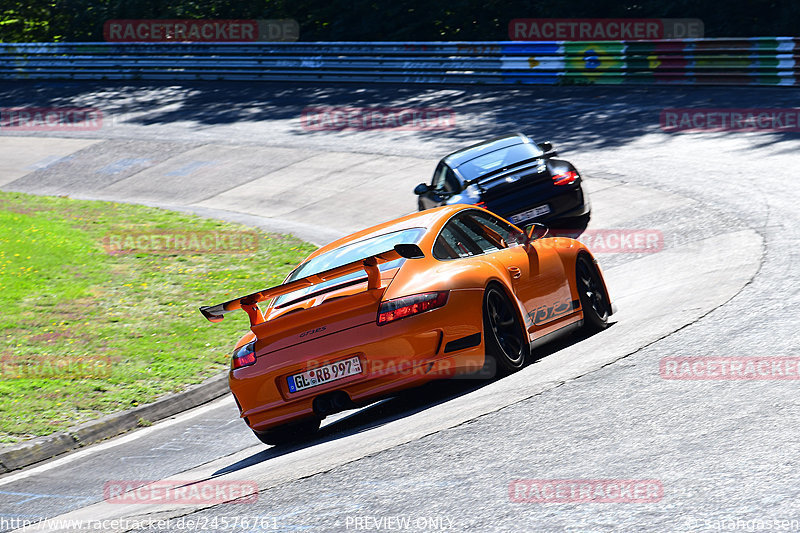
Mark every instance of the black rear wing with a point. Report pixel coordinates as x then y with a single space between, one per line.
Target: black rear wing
249 303
489 176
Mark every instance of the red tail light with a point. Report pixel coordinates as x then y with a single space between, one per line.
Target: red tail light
566 178
481 204
398 308
243 356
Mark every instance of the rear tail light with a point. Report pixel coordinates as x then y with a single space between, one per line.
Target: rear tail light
243 356
398 308
481 204
567 178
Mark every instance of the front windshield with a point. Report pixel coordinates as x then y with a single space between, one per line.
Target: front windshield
502 158
347 254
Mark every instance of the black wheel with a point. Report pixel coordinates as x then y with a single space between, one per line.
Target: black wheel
594 300
295 432
505 343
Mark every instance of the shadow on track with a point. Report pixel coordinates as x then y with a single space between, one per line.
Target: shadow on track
574 116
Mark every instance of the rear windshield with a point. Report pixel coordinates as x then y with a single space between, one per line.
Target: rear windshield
347 254
499 159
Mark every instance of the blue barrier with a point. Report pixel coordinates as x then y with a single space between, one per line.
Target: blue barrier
750 61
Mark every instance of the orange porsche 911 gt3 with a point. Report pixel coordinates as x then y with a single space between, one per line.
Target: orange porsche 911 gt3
427 296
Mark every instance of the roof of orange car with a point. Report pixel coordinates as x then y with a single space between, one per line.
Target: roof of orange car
422 219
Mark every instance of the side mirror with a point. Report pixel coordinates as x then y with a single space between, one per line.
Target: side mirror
535 232
547 148
421 189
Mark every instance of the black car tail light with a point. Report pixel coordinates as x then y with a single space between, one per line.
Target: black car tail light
567 178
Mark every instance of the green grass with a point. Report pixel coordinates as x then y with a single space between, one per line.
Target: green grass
84 332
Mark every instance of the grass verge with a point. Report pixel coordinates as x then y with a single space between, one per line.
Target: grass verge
86 329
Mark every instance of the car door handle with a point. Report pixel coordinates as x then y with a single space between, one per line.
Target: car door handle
516 273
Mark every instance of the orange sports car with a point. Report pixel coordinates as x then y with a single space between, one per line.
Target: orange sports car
448 291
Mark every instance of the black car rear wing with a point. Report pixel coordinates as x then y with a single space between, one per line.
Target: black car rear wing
500 172
249 303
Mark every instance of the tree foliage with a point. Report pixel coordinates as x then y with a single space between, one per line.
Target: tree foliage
401 20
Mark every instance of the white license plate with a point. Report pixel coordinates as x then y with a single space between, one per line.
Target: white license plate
530 213
324 374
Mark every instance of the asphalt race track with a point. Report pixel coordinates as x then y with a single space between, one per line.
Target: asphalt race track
726 283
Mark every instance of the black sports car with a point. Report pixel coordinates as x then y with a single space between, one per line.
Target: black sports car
512 176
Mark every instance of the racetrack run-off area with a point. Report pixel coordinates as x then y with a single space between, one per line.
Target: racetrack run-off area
724 284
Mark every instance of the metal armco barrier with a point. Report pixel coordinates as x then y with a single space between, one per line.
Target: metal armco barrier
744 61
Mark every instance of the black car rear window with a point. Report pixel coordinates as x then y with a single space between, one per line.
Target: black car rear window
499 159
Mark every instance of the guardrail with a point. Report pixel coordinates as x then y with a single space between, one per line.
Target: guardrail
750 61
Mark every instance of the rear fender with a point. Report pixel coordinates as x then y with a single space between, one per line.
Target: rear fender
247 337
474 273
436 275
559 166
522 314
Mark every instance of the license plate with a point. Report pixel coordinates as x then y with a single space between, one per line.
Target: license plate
530 213
324 374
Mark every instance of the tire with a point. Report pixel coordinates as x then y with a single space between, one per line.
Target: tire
594 299
505 343
289 433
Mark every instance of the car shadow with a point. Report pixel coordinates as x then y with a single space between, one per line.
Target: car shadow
402 405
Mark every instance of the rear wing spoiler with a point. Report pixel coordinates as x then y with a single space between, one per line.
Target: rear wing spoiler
482 180
249 303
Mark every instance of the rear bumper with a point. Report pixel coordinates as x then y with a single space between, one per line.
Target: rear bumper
396 356
571 205
564 202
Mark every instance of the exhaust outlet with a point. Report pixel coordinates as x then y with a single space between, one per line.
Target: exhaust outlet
332 403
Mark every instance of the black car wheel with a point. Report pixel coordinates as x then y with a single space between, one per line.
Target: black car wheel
289 433
594 300
505 343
